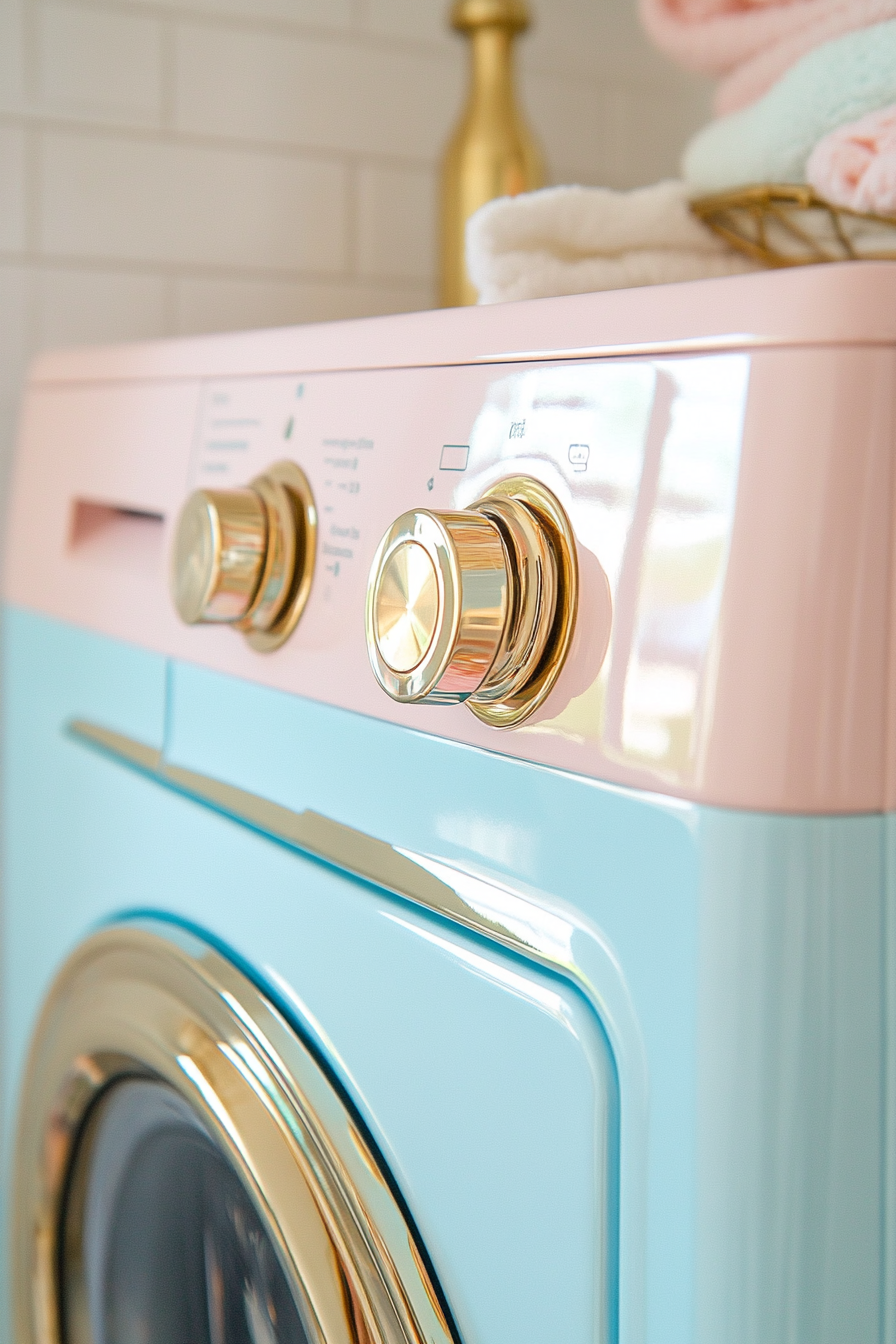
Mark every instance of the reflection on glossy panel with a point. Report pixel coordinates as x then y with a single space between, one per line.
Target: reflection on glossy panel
655 452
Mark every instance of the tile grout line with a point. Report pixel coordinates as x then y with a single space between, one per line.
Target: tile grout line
357 32
168 76
351 213
191 270
104 130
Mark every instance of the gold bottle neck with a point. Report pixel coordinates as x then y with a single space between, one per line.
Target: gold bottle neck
491 65
510 15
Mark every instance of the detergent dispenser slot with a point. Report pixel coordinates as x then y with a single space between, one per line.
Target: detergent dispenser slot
116 535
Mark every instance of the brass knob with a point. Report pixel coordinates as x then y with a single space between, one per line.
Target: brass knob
219 551
476 606
246 557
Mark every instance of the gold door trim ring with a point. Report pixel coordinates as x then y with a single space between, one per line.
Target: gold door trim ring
136 1003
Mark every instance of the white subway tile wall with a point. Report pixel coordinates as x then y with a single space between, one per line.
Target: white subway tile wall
174 166
99 66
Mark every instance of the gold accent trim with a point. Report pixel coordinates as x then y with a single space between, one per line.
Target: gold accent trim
789 224
279 556
135 1002
288 488
545 611
533 599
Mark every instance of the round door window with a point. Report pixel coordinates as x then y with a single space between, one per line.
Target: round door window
188 1173
173 1246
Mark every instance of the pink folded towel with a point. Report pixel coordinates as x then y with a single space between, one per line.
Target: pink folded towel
855 165
751 43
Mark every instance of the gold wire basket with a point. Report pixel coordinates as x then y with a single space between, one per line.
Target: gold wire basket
790 225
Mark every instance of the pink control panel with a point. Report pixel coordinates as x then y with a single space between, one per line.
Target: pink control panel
734 488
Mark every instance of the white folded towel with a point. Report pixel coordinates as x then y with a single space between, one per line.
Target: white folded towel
573 240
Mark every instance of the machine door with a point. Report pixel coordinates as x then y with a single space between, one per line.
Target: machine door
188 1173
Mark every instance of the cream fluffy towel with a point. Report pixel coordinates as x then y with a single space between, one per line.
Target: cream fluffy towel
573 240
751 43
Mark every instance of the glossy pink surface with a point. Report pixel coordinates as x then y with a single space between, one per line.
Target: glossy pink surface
724 449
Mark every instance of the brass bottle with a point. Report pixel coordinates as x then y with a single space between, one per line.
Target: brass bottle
492 152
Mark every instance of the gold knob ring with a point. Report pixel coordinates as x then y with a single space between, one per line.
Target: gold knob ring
545 567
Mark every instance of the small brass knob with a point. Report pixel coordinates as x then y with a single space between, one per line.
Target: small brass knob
246 557
219 551
438 603
476 606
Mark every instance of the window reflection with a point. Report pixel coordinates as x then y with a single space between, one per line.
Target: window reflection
645 456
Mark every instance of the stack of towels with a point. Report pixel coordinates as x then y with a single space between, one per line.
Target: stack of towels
806 94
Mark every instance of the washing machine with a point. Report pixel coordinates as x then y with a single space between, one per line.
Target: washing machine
449 776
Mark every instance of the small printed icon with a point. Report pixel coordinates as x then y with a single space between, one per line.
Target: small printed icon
431 482
287 433
517 429
578 455
454 457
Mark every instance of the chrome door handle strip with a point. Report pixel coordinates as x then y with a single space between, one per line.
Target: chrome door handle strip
354 852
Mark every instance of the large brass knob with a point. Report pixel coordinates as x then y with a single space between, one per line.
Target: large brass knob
476 606
246 557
